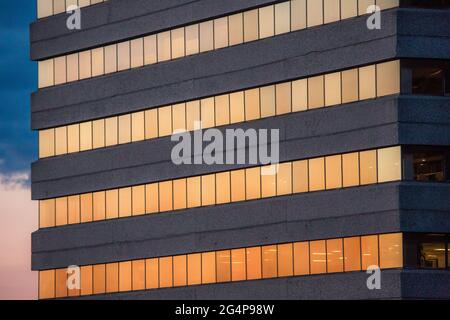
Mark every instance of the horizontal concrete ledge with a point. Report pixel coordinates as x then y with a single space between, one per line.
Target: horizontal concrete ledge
395 284
118 20
358 126
277 59
362 210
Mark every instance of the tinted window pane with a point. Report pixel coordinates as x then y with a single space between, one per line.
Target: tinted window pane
223 266
254 263
284 98
165 272
124 202
269 264
194 269
352 250
138 273
137 53
125 276
284 179
193 191
318 257
237 110
111 58
350 86
251 31
150 52
367 82
333 89
238 265
267 101
369 248
269 182
112 204
178 49
350 166
298 14
206 36
301 258
61 283
123 56
349 8
208 190
391 250
223 185
333 167
138 126
315 12
236 29
221 33
138 200
331 10
316 174
192 39
388 78
300 95
45 73
300 176
266 22
164 50
335 256
208 267
316 98
151 273
389 164
282 17
85 64
253 183
238 185
222 110
151 198
179 271
285 260
368 167
252 107
165 196
179 194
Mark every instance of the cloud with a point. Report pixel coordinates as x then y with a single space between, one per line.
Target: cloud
18 215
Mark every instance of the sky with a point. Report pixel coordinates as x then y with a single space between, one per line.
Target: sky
18 148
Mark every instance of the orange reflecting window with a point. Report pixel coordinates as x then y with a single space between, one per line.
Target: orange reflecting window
73 207
367 82
388 78
221 33
333 175
112 204
206 36
237 185
316 174
125 281
268 107
194 269
194 192
223 185
236 29
98 133
223 265
61 283
269 181
369 249
315 13
179 194
151 124
86 281
237 107
178 48
335 256
252 107
391 250
333 89
352 250
251 30
179 117
61 211
164 50
208 267
269 261
208 190
284 98
254 263
253 183
192 39
298 14
137 126
193 117
300 95
285 260
125 202
125 129
222 110
85 136
138 200
111 131
99 274
150 52
331 11
316 92
151 198
350 167
111 58
151 273
99 199
165 196
85 64
368 167
266 22
123 56
86 207
165 272
318 257
282 17
300 176
179 271
138 274
350 86
301 258
47 284
238 268
208 113
284 179
60 141
389 164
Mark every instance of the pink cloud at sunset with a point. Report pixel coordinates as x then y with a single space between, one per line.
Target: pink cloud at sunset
18 219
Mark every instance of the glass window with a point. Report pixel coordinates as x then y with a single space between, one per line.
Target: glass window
318 257
59 6
221 33
150 52
237 108
223 186
179 194
269 261
269 181
208 190
316 98
138 273
254 263
192 39
165 196
223 265
237 185
333 176
388 78
350 167
111 58
179 117
316 174
46 73
165 121
164 50
61 283
151 273
73 138
193 191
138 126
391 250
44 9
369 249
222 110
99 199
194 269
331 10
46 143
284 98
389 164
315 13
208 267
300 176
178 49
387 4
137 53
151 198
111 132
208 113
47 213
252 104
86 207
300 95
350 86
151 124
431 255
98 62
253 183
285 260
367 82
125 129
206 36
301 258
98 134
112 204
85 136
112 277
282 17
251 31
125 271
72 67
238 265
99 274
179 271
363 5
73 207
298 14
193 115
352 251
85 64
349 8
86 280
47 284
138 200
368 167
429 166
165 272
335 256
236 29
284 179
266 22
123 56
333 89
60 70
268 108
124 202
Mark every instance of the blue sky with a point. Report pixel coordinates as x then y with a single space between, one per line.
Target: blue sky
18 144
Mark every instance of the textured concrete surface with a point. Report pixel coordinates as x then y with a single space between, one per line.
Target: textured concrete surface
391 207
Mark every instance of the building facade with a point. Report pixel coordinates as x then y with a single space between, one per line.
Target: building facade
361 102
